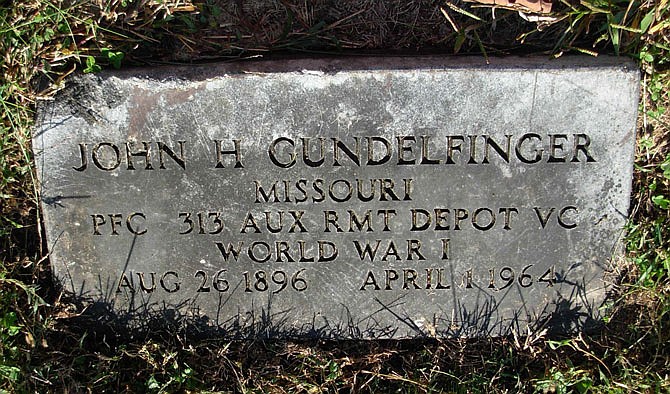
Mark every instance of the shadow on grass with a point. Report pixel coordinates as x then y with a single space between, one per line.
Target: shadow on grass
135 314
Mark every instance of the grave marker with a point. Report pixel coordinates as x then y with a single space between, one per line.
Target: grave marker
349 198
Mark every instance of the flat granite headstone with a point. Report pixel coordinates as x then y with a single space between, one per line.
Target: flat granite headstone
346 198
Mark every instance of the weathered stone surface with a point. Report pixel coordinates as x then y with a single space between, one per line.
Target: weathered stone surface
492 197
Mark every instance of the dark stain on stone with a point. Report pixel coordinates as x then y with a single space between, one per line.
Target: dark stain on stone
145 101
83 93
142 102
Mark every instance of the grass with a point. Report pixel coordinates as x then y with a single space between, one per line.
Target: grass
48 344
